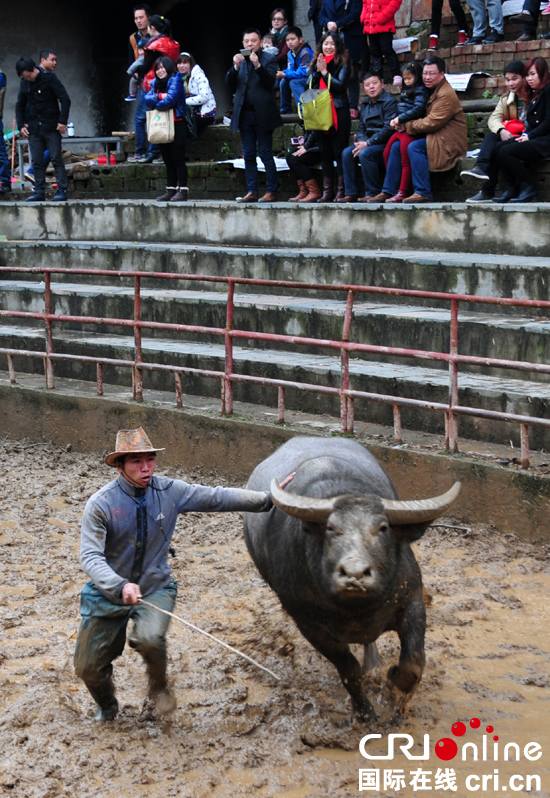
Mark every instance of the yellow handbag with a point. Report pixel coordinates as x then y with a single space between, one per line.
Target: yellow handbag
315 108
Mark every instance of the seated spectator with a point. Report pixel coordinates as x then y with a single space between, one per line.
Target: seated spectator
529 17
412 105
444 128
294 77
377 111
300 163
269 46
534 144
167 92
199 98
508 110
279 29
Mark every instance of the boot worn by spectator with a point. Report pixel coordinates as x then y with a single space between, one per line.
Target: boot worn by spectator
168 194
181 195
313 190
302 192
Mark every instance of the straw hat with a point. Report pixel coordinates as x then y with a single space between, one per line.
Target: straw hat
130 441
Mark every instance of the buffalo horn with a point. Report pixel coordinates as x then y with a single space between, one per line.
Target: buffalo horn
303 507
419 512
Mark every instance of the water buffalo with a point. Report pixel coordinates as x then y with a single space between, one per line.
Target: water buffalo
336 551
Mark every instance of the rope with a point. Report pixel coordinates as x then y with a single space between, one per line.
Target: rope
207 634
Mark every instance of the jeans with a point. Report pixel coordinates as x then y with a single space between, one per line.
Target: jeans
494 12
102 633
263 139
296 86
371 161
456 8
140 120
418 156
38 143
5 173
30 170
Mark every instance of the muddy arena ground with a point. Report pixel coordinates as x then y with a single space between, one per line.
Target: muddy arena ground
237 731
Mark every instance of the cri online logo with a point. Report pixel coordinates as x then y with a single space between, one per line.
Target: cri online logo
446 748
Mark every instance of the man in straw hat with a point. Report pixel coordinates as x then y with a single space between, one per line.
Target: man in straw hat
127 530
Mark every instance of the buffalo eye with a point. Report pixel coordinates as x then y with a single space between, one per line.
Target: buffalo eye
383 528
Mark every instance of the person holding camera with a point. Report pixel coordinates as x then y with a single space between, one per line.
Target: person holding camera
255 114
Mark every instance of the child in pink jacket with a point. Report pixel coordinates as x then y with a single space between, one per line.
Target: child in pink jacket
378 20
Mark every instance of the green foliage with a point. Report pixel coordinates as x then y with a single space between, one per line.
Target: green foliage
225 148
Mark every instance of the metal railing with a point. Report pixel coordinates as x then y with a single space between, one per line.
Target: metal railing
451 410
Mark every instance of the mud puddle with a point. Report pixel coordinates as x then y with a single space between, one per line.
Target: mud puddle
236 731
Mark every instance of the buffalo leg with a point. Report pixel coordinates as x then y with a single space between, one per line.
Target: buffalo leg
411 628
349 669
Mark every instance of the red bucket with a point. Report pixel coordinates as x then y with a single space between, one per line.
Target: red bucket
102 159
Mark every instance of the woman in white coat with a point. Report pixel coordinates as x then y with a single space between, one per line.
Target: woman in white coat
199 98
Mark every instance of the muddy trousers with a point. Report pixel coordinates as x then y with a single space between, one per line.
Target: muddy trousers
102 637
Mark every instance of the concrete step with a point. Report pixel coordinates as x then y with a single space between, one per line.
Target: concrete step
381 324
505 394
516 276
456 227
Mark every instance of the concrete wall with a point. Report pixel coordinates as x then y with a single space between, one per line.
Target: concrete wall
516 502
65 28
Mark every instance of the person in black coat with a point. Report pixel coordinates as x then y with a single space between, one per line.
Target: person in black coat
534 144
42 111
330 68
313 16
255 113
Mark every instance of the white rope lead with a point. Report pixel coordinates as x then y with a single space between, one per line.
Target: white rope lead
207 634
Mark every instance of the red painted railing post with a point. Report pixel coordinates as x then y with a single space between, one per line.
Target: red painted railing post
227 385
346 402
138 359
451 442
48 364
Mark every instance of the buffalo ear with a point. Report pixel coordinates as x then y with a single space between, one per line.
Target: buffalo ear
408 533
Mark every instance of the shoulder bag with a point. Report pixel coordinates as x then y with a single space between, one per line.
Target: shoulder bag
160 126
315 108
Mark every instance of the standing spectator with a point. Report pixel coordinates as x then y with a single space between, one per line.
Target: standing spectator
294 77
167 92
344 17
460 16
378 20
300 163
142 15
508 110
377 111
444 129
48 63
42 111
255 113
330 69
5 172
313 17
199 98
534 144
278 29
479 16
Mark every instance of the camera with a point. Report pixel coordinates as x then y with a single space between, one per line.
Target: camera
246 52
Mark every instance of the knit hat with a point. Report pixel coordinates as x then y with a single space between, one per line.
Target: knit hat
516 68
130 441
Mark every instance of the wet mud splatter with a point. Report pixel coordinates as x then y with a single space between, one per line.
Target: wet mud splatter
238 732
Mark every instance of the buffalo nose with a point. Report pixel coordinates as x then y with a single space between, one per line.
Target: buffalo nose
354 571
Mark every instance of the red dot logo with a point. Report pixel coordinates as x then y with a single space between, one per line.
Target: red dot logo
475 723
446 748
495 738
458 729
489 729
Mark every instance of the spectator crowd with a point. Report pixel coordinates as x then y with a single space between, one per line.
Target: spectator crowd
399 140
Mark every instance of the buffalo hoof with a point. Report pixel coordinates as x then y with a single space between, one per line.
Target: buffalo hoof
106 712
363 713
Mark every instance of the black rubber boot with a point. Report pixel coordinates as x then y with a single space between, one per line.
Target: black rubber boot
104 696
159 691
